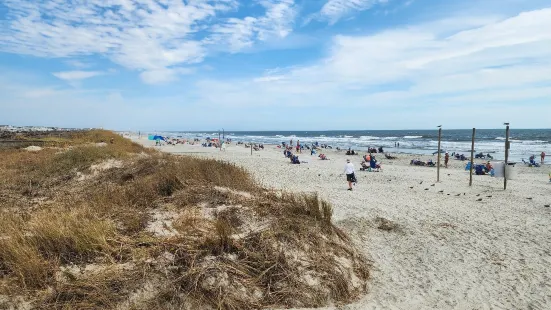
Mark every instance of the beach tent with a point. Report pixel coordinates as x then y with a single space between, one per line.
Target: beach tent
156 137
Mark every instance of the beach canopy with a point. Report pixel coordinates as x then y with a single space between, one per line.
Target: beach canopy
156 137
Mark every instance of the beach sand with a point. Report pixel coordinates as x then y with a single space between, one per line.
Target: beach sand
448 250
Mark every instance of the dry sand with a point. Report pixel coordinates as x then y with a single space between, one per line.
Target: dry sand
447 250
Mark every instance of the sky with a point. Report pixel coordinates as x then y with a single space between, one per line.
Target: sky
275 64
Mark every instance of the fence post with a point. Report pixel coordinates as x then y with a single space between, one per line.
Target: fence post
506 157
472 160
438 164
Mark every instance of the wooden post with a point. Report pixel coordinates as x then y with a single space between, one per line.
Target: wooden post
506 157
472 160
251 149
439 155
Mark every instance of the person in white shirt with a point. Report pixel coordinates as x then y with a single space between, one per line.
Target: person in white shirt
350 176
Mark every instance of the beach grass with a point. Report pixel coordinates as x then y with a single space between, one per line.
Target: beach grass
104 223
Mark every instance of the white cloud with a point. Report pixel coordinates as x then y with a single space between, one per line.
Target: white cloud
333 10
76 75
137 34
78 64
164 75
277 22
40 93
477 63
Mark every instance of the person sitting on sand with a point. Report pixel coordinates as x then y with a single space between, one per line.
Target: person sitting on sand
489 167
533 161
323 157
479 170
374 165
367 157
312 151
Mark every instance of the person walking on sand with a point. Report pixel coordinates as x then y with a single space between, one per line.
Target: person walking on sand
542 157
350 176
446 159
298 147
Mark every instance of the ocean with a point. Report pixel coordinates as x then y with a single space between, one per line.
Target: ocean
524 142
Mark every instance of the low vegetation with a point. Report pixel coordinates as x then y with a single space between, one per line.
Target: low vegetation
104 223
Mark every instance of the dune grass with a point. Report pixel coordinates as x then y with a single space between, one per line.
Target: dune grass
228 251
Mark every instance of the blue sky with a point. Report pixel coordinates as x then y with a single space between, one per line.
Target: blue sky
275 65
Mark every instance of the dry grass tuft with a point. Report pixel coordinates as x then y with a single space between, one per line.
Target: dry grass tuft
386 225
30 251
101 290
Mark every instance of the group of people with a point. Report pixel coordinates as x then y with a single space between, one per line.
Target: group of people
482 169
375 150
369 163
418 162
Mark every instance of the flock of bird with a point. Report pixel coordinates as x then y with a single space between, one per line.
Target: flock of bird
464 194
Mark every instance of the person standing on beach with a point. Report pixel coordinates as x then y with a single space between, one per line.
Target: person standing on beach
350 176
542 157
446 159
298 147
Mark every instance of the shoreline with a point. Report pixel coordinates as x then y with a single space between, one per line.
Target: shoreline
450 251
423 143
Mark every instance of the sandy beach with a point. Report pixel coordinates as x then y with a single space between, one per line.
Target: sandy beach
455 246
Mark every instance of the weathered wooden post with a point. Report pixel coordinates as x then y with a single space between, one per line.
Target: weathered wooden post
439 155
506 156
472 159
